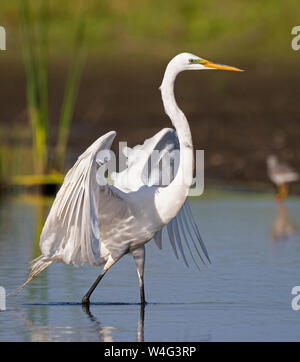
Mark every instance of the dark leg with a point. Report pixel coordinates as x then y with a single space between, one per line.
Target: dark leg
140 334
86 298
139 258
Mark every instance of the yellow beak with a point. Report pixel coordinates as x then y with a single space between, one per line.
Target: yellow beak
209 64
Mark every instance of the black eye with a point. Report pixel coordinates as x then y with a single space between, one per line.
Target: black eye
193 61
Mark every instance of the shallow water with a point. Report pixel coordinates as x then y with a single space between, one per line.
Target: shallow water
244 295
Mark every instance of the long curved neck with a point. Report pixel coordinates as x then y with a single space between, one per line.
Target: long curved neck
171 198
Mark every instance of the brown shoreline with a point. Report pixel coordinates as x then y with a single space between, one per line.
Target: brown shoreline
238 119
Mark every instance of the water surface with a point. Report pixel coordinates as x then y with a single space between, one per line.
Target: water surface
244 295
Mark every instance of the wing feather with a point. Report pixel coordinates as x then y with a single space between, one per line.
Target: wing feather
178 239
158 239
72 231
186 207
186 240
171 238
142 167
186 224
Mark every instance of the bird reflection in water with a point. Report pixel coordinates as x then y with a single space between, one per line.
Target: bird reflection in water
64 333
67 333
108 338
283 228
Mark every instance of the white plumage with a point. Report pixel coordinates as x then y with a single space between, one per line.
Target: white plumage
97 223
280 172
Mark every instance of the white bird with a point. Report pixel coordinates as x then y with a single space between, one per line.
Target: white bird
281 174
99 224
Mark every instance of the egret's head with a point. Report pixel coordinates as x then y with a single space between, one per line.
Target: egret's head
188 61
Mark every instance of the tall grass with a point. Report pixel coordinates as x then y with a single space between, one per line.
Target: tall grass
36 24
35 62
71 90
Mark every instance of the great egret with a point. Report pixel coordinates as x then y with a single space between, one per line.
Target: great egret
281 173
98 224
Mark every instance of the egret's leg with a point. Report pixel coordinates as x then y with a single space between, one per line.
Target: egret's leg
140 334
109 263
139 258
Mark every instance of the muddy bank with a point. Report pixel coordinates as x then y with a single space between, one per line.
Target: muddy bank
237 118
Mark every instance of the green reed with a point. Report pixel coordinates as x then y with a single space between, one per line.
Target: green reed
36 23
70 93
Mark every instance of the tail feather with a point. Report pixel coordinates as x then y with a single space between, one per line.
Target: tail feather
37 266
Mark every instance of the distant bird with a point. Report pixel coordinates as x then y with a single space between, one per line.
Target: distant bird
99 223
281 174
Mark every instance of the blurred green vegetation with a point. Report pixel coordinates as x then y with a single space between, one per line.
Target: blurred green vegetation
35 44
158 28
41 33
35 20
15 153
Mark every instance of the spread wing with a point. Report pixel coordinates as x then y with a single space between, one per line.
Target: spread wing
144 169
145 162
71 232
